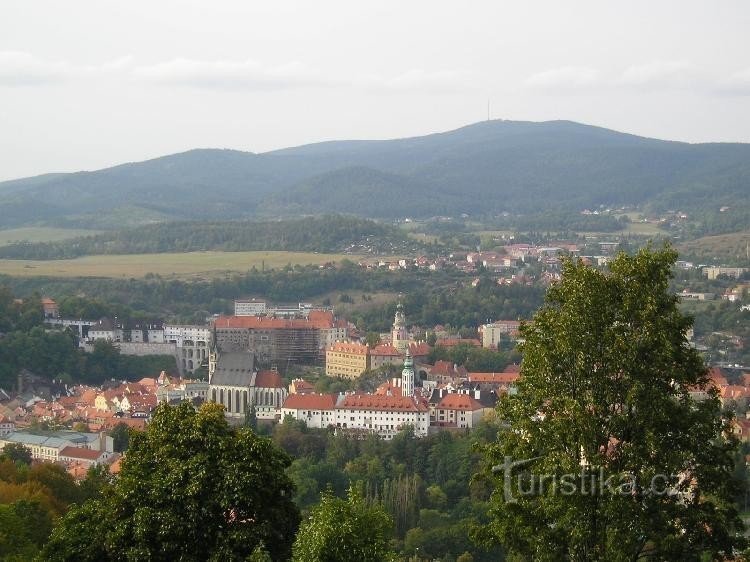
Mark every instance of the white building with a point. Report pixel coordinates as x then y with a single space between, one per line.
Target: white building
316 410
382 414
249 307
47 446
493 333
193 344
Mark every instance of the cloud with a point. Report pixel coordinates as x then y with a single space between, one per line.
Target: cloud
565 77
660 74
737 83
19 68
420 79
227 74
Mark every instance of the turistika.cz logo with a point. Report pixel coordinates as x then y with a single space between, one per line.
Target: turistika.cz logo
518 482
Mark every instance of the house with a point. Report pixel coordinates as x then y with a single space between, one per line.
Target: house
6 426
495 382
384 354
348 360
458 410
300 386
82 456
50 308
316 410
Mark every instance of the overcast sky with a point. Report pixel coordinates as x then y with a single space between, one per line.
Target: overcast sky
87 84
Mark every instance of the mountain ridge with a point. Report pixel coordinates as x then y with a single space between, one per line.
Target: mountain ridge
482 168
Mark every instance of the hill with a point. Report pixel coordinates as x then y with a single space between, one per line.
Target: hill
485 168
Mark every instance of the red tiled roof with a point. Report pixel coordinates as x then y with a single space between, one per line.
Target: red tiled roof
507 377
317 320
81 453
421 348
455 401
310 402
348 347
381 402
268 379
385 349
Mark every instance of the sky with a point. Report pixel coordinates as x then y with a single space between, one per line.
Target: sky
87 84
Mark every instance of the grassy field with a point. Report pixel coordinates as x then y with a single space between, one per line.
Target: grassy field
41 234
726 248
182 265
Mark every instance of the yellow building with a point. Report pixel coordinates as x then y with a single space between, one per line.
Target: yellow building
347 360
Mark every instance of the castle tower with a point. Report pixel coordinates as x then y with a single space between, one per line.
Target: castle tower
399 337
407 375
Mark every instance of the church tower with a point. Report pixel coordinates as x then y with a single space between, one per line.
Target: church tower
407 376
399 337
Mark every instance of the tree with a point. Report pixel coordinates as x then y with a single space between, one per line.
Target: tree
605 455
120 435
17 453
190 488
341 530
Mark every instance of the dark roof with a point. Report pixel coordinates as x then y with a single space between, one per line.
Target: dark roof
234 369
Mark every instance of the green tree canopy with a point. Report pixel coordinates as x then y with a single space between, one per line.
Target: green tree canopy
342 530
190 488
605 394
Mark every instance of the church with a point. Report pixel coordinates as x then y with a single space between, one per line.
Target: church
234 383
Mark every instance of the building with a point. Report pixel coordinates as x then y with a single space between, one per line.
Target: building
384 354
193 343
383 415
348 360
7 426
276 341
458 410
399 334
249 307
714 272
83 457
234 383
49 308
494 333
315 410
686 295
407 376
47 446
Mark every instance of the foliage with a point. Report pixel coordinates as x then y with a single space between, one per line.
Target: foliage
326 234
339 530
603 409
190 488
17 453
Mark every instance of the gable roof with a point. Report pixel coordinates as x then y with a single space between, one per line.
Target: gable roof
310 401
454 401
497 378
381 402
234 369
81 453
269 379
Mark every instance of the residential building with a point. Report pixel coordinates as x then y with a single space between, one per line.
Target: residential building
348 360
494 333
316 410
383 415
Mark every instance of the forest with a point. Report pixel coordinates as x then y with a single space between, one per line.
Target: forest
325 234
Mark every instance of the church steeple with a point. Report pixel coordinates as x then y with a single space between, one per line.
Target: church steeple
407 375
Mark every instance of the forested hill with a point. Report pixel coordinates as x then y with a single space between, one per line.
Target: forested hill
485 168
326 234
